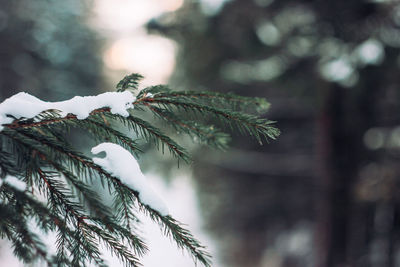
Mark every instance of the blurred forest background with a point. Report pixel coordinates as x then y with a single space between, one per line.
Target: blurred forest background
326 193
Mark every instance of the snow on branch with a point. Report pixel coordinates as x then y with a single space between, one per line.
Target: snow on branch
35 151
24 105
121 164
14 182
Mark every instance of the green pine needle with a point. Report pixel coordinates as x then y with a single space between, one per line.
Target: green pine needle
38 152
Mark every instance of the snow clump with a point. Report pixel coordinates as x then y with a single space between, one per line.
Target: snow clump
121 164
24 105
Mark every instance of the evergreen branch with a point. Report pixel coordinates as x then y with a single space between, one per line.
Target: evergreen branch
109 134
53 119
59 199
96 125
47 219
18 124
43 214
23 241
58 194
63 154
61 256
121 204
26 244
115 246
207 134
129 81
154 135
83 228
226 99
125 234
38 149
7 164
182 237
88 195
100 131
88 241
245 123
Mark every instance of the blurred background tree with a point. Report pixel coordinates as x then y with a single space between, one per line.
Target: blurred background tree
47 49
325 194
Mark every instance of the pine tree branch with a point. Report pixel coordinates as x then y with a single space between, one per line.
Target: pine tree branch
207 134
43 215
129 81
54 119
36 148
181 236
216 98
58 195
20 235
114 245
245 123
72 209
154 135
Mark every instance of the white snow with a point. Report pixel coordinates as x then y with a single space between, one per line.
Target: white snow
15 182
24 105
121 164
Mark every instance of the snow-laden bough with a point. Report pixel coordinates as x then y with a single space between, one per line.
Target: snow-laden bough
123 165
24 105
14 182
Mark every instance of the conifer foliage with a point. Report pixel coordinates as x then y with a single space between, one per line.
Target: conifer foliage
46 182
